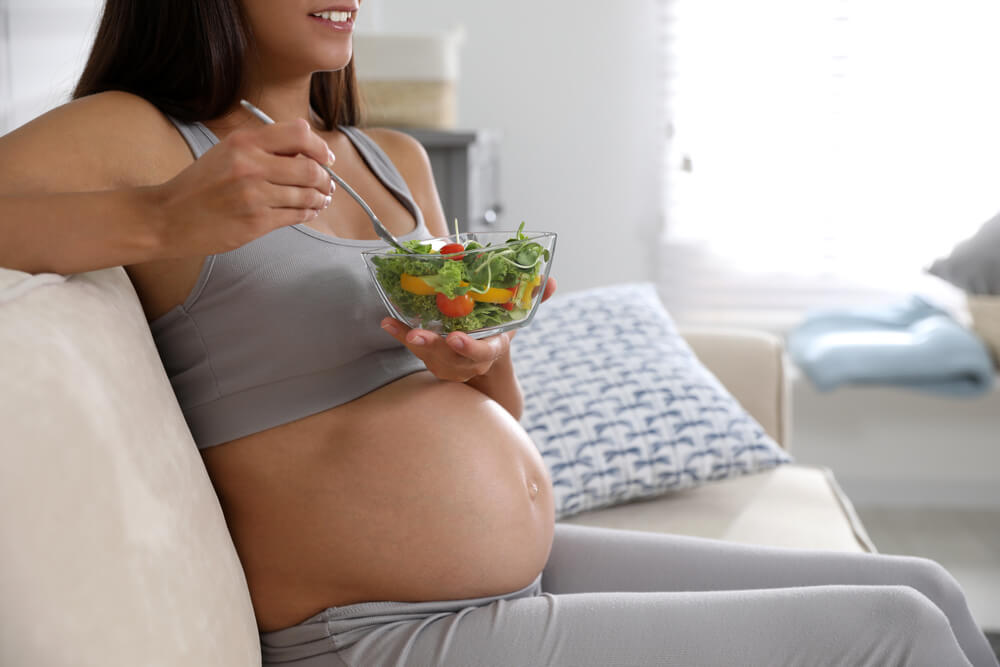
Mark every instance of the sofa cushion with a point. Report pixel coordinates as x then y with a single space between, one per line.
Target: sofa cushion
621 408
115 549
792 506
974 264
985 312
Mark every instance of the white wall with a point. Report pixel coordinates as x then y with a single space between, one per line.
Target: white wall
575 92
47 45
5 100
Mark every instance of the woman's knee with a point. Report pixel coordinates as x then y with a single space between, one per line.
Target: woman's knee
935 582
917 627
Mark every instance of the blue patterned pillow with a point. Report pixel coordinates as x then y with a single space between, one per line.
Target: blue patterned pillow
619 406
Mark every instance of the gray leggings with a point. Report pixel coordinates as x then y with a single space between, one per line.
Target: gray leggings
612 598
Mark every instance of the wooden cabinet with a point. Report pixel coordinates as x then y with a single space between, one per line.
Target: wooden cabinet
466 167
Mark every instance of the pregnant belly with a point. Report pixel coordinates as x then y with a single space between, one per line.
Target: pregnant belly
421 490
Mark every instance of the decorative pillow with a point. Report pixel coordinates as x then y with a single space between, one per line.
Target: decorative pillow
974 264
619 406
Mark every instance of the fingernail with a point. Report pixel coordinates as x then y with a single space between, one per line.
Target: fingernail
327 201
391 328
418 340
313 214
457 342
331 157
333 185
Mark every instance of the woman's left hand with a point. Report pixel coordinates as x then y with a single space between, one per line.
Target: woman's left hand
457 357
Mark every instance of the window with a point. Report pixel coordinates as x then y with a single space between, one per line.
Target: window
823 152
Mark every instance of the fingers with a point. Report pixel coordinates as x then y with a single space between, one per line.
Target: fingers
550 288
287 196
294 182
299 171
283 154
458 358
291 138
416 340
484 350
283 217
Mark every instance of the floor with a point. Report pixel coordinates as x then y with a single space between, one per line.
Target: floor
965 541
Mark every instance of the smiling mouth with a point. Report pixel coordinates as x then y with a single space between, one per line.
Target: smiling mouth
335 16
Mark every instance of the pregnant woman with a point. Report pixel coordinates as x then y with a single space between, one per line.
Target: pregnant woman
386 505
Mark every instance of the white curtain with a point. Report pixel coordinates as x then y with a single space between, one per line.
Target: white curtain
825 151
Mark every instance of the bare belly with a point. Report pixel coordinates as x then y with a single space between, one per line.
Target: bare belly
421 490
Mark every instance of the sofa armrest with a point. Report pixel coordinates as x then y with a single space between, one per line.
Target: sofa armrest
751 366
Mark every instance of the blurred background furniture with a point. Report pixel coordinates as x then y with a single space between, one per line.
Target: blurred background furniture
466 165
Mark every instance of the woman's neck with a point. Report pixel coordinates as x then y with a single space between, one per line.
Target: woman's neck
285 101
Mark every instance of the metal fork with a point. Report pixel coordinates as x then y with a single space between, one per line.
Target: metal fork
380 229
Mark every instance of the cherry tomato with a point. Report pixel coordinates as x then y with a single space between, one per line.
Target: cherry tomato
453 247
460 306
507 306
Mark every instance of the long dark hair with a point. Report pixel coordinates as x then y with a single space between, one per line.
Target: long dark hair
187 56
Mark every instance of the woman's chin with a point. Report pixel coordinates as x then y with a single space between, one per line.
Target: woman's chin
333 60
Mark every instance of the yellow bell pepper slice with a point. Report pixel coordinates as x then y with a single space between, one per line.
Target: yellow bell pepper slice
493 295
528 289
415 285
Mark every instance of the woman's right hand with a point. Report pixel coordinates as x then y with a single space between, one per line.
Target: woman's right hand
252 182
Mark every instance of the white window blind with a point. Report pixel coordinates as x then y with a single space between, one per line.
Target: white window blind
823 152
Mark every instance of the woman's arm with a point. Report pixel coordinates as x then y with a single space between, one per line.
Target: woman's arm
500 383
78 231
107 180
64 207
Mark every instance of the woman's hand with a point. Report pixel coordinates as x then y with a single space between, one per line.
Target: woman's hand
250 183
457 357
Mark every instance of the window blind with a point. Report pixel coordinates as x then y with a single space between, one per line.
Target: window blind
821 153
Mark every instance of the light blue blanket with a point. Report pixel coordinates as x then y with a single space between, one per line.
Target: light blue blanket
911 344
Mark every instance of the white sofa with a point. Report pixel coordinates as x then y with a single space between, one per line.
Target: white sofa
115 550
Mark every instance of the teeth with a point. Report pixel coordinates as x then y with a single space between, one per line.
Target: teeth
336 17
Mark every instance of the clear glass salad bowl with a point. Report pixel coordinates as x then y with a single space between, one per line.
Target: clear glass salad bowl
489 283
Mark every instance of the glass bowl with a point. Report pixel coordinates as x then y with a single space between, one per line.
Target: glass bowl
494 283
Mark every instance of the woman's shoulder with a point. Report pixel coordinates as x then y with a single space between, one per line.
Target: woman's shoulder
413 163
408 154
104 140
97 117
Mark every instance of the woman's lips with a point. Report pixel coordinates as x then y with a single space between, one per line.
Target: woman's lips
335 19
334 25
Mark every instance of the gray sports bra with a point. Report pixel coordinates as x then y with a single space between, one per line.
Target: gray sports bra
283 327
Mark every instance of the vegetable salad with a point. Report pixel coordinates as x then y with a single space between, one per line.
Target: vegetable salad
464 287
